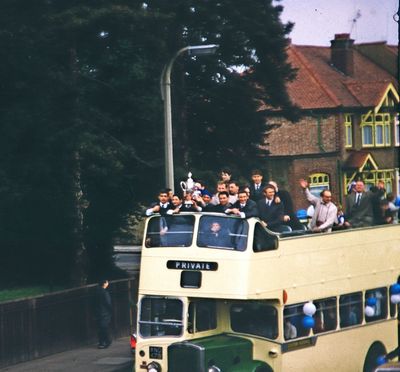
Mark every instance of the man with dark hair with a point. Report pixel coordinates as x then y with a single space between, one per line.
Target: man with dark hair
163 204
257 185
269 211
244 207
233 189
325 212
103 314
224 204
225 175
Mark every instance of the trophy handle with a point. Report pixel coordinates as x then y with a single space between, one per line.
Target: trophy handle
183 186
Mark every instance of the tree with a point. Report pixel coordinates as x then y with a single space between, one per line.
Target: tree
81 135
216 110
80 96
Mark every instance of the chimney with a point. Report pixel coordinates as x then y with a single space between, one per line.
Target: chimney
342 53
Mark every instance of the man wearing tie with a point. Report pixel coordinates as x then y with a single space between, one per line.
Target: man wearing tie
159 228
269 211
257 185
359 212
162 206
244 207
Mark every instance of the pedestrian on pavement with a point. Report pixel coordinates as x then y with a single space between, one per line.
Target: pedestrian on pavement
103 314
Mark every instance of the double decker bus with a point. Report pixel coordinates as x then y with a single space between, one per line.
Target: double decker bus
221 293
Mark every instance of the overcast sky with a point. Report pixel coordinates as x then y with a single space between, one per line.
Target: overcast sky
317 21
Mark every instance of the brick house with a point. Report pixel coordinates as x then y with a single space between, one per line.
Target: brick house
349 127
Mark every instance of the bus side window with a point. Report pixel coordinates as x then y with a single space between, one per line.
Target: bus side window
350 309
202 316
325 316
379 298
255 318
293 316
262 240
393 309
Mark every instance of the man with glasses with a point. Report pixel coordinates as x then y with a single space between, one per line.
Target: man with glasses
325 212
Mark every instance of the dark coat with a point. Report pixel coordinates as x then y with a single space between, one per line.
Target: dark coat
103 305
221 208
288 209
250 209
272 215
361 215
256 195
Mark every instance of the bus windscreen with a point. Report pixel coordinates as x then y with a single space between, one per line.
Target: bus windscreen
223 232
170 231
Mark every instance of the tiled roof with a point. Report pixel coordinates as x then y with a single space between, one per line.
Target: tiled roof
320 85
357 159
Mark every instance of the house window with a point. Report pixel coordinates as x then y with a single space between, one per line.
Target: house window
375 130
348 125
371 178
379 135
383 120
318 182
396 131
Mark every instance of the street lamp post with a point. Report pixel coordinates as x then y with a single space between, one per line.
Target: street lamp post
165 83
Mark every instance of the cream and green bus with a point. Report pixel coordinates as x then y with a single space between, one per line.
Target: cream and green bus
220 293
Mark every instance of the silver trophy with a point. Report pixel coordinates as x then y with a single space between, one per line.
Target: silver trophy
188 186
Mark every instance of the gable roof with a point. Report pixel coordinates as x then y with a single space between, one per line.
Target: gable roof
358 160
319 85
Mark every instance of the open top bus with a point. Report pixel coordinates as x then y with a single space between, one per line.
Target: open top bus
221 293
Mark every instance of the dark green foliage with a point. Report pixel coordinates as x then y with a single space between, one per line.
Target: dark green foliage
81 124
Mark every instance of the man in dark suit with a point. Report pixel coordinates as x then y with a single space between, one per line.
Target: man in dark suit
159 227
244 207
103 314
257 185
162 206
359 210
216 236
224 204
289 216
269 211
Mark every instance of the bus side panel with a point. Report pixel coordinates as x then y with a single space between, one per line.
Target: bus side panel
343 351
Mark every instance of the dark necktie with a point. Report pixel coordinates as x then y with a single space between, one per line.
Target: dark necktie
358 199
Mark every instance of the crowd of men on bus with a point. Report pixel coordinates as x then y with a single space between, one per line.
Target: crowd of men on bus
274 206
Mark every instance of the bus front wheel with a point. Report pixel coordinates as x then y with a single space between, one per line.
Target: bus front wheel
377 349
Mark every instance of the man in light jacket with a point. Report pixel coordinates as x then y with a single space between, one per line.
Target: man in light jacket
325 212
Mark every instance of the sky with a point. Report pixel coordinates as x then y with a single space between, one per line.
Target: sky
317 21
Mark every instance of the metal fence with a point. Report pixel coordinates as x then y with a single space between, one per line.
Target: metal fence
34 327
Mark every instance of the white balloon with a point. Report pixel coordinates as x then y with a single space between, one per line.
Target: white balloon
309 309
369 311
395 298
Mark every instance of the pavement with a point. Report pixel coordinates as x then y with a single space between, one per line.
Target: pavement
116 358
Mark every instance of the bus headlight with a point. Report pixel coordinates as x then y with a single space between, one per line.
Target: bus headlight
213 369
154 367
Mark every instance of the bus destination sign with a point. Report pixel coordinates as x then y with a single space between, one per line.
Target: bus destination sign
300 344
192 265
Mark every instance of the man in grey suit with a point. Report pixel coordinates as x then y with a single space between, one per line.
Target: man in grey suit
325 212
359 211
